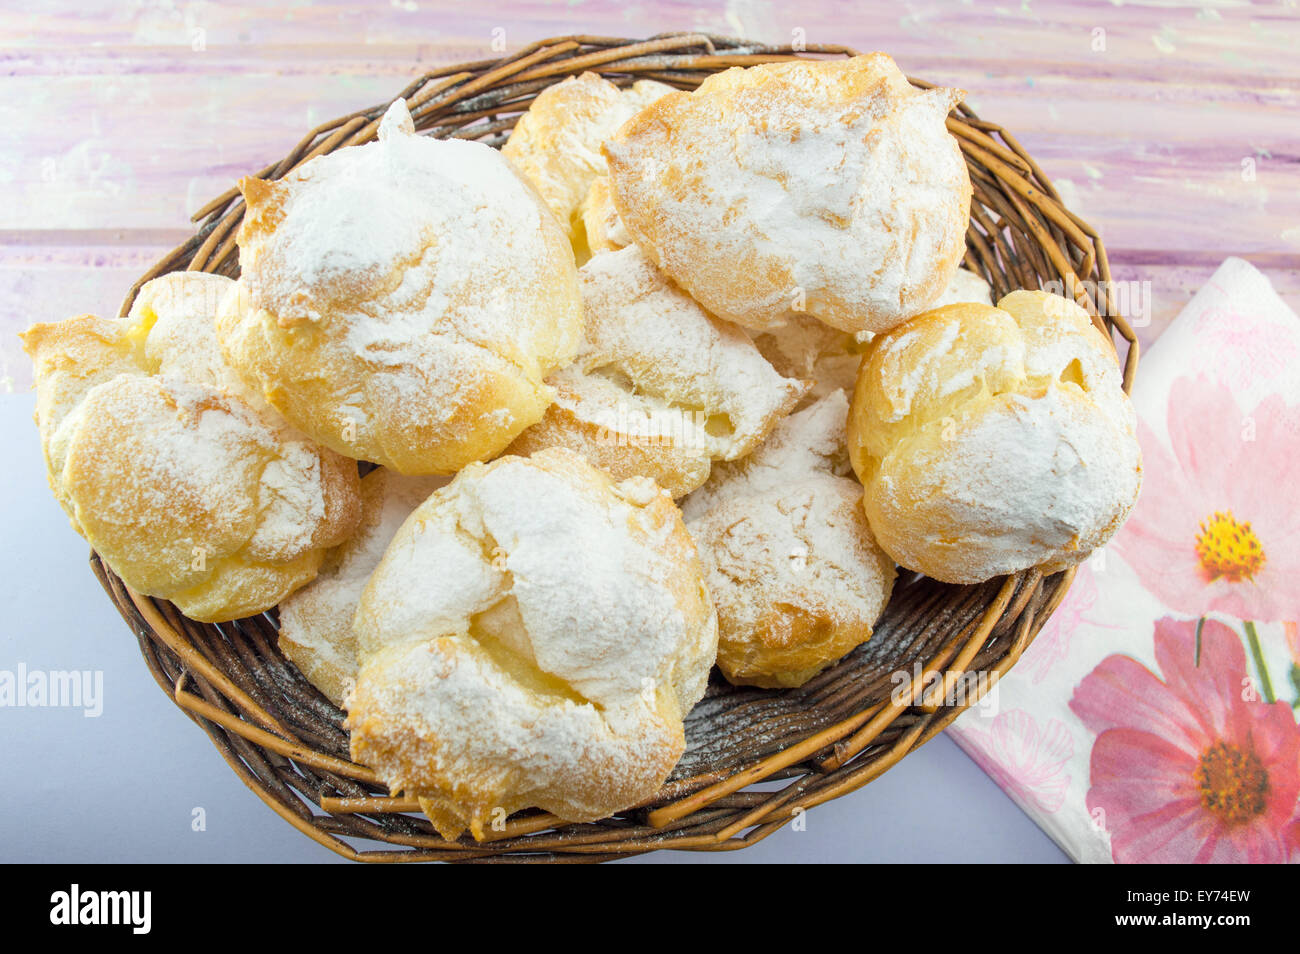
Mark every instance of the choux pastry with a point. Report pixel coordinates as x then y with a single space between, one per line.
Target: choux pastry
603 228
965 286
556 143
793 569
991 440
316 632
660 388
806 349
672 379
534 636
403 301
190 488
829 187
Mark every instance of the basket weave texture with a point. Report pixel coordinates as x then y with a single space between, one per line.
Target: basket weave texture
755 758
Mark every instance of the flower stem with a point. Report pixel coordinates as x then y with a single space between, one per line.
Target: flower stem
1200 625
1252 637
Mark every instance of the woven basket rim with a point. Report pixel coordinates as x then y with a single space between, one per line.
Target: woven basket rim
281 737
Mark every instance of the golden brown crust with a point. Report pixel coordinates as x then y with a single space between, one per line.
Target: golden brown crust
603 228
991 440
316 632
70 358
827 187
787 608
789 559
660 388
806 349
185 490
403 301
556 144
583 420
551 658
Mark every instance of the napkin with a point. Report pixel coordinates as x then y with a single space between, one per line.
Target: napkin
1154 717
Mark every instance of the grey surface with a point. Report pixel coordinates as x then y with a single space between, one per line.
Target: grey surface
122 787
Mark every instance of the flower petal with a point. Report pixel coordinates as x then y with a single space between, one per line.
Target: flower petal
1159 539
1205 433
1253 844
1213 689
1170 835
1145 789
1122 693
1275 740
1150 770
1270 460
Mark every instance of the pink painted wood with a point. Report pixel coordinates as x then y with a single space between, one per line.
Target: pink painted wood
1169 125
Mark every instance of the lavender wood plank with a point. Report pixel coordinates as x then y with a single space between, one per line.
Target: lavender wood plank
1168 125
1218 171
56 281
1186 36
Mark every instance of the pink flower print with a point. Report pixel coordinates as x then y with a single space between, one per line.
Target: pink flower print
1218 527
1024 760
1246 346
1191 767
1052 644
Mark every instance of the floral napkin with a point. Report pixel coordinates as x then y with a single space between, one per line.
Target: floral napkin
1154 717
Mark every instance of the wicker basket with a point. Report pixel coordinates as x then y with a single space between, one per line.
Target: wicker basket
827 738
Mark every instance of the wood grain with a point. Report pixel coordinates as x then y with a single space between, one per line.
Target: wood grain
1173 129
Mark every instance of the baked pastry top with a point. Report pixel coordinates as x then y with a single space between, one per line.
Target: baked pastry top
660 388
806 349
403 301
316 632
188 486
830 187
791 564
965 286
991 440
603 228
556 144
533 636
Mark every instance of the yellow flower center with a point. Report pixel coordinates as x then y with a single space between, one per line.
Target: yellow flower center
1233 783
1228 549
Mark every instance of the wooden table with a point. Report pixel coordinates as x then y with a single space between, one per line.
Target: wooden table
1171 126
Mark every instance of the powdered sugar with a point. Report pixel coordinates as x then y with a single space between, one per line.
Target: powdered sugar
403 301
592 599
992 440
965 286
789 559
174 314
669 348
1022 484
806 537
798 184
316 622
194 448
183 481
807 442
918 368
382 215
530 618
292 503
788 493
557 144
